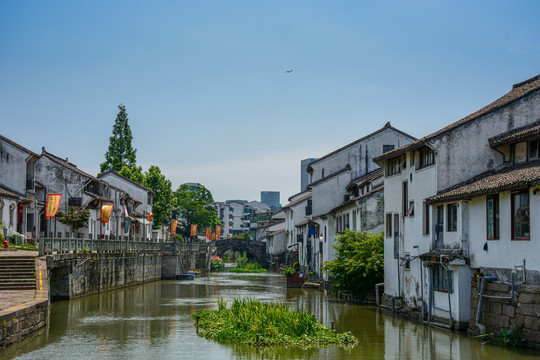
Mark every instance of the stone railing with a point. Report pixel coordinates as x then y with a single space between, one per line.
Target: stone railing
49 246
197 247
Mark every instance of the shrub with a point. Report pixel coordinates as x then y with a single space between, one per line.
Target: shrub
289 271
216 263
359 262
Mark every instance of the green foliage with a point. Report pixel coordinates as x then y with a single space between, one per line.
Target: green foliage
272 323
289 271
193 206
120 151
179 238
248 268
133 173
216 263
505 337
245 236
162 202
73 218
359 262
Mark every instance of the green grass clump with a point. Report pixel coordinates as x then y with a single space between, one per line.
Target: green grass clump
275 323
248 268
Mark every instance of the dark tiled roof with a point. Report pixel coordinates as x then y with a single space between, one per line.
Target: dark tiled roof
301 192
515 135
354 199
67 164
518 91
363 180
386 126
125 178
492 183
11 142
348 167
305 197
100 198
7 193
447 254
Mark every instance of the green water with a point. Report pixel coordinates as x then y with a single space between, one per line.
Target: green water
152 321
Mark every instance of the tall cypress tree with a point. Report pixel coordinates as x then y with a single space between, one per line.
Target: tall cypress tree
120 151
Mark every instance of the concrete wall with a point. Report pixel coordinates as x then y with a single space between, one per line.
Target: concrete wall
464 152
13 167
330 193
505 253
359 155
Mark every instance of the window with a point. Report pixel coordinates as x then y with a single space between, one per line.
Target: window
322 173
492 212
405 198
388 225
534 149
346 221
426 218
354 219
395 165
427 157
440 276
451 213
520 216
387 148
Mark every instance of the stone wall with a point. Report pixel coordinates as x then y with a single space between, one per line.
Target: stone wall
522 310
20 323
74 275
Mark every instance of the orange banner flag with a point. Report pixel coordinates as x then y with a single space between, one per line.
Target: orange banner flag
53 203
193 230
208 233
174 224
218 232
106 212
149 216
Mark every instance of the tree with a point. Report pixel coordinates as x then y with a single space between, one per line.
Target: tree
133 173
75 219
359 262
193 206
120 151
163 199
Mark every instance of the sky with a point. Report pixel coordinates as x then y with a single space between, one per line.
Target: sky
206 87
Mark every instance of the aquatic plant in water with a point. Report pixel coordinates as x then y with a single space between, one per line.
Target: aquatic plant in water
251 321
248 268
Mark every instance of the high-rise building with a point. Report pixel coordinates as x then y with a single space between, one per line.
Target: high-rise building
305 177
271 198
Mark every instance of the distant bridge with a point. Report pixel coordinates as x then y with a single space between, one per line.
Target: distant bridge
257 248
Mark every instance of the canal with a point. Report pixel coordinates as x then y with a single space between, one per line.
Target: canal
152 321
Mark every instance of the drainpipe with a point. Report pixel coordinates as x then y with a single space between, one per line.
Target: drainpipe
449 301
377 286
483 280
422 289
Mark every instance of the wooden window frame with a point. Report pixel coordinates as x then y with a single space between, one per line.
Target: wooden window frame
496 217
522 238
450 213
388 228
426 223
427 157
439 279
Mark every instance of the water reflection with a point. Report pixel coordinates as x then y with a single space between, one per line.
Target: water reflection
152 321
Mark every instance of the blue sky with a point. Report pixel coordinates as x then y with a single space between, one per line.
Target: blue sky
206 88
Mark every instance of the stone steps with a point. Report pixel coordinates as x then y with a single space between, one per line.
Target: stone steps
17 273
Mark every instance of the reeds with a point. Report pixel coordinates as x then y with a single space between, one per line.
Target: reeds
248 268
252 321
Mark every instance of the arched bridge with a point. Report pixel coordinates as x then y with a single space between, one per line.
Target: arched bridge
257 248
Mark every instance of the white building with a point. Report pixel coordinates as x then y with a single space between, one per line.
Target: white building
19 208
237 216
442 190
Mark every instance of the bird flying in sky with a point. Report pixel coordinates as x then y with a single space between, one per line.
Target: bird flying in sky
289 71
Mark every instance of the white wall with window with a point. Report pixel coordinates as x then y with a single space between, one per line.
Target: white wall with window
516 218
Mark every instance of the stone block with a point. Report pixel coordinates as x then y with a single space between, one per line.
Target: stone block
530 335
495 307
502 288
528 298
529 309
531 323
508 310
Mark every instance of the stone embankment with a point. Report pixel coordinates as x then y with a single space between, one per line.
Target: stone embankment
23 311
